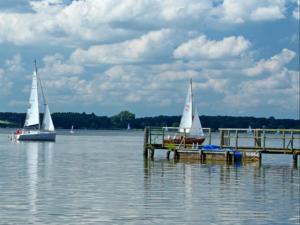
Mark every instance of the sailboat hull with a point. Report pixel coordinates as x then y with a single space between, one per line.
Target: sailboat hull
36 136
188 140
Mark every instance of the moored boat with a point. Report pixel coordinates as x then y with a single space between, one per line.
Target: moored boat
190 130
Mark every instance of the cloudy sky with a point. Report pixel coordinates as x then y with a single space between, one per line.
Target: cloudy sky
104 56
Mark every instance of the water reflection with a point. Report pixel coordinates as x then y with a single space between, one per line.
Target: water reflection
39 158
223 193
32 171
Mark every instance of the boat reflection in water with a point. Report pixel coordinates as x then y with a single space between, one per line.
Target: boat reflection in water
36 152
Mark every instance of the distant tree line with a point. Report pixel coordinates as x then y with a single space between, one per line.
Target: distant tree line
122 119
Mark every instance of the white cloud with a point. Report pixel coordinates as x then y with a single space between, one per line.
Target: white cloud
278 87
238 12
272 65
14 64
148 47
201 47
110 21
54 66
296 12
5 83
267 13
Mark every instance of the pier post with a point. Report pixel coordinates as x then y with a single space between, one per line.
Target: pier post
176 155
168 155
236 139
283 139
292 140
163 137
257 138
146 136
295 160
264 140
227 155
201 155
221 138
259 158
152 151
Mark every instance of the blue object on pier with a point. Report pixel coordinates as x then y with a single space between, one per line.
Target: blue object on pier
216 148
237 154
212 148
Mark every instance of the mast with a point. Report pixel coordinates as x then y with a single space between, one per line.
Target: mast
192 96
35 68
40 82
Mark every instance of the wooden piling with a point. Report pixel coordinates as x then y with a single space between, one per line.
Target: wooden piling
176 155
227 156
146 135
168 155
201 155
257 138
259 158
222 133
295 160
152 151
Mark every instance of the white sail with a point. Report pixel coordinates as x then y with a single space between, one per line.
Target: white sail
196 129
249 130
47 120
72 129
187 115
32 115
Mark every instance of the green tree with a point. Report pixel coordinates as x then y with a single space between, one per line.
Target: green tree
122 119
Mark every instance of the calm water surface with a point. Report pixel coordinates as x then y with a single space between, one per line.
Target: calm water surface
100 177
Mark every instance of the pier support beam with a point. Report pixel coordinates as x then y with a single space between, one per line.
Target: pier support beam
146 135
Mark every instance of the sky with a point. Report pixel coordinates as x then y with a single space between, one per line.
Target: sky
105 56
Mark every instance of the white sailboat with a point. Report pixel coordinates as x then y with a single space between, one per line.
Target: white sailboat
249 130
72 130
128 126
190 126
33 130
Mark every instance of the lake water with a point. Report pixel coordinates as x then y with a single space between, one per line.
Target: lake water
100 177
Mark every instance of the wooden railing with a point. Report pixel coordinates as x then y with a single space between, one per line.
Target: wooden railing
281 139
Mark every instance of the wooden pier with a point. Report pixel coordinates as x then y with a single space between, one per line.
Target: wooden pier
250 144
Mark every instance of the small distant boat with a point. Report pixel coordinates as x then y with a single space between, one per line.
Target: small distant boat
72 130
33 130
249 130
128 127
190 128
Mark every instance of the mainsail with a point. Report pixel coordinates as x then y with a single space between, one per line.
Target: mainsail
187 115
196 129
32 115
47 120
